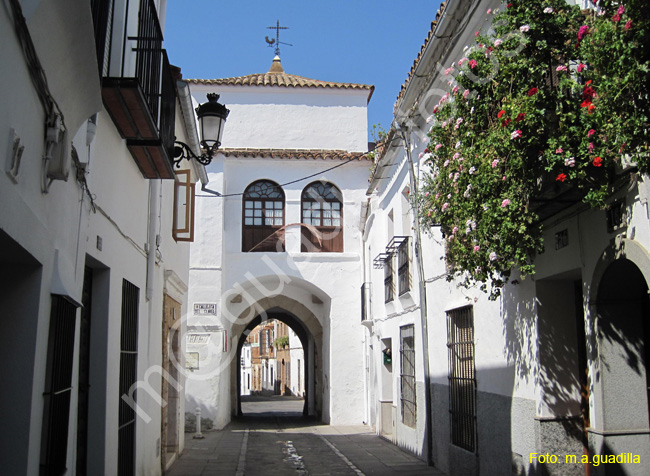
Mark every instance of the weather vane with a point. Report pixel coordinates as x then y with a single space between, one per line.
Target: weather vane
276 42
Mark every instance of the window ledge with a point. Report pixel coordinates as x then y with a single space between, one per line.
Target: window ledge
326 257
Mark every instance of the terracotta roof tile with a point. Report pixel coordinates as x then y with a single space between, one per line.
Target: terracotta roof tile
326 154
282 80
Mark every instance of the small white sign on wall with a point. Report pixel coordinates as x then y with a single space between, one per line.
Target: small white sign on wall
205 309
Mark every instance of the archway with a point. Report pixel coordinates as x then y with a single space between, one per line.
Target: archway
620 310
300 313
305 338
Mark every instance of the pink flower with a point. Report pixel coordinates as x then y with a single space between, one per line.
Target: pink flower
438 146
505 203
559 150
445 206
503 179
493 256
561 68
495 162
472 63
477 248
581 67
489 11
465 93
524 28
570 162
590 147
582 32
628 25
476 33
455 230
515 134
455 90
498 42
426 194
591 132
456 155
462 61
621 10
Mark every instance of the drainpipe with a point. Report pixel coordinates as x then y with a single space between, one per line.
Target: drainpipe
152 245
423 298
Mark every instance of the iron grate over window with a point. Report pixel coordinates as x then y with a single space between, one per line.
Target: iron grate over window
58 387
389 285
128 377
407 375
462 377
403 271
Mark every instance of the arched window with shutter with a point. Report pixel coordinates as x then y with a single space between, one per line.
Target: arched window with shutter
322 215
263 217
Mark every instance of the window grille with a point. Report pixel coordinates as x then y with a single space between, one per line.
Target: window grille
403 270
389 286
128 377
58 387
407 375
263 217
322 210
462 377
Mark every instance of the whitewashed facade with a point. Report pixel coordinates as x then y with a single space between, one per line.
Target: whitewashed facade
585 310
93 278
282 128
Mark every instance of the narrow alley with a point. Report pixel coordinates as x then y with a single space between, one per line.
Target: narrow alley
272 438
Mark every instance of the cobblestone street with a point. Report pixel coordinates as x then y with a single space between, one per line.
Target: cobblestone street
273 439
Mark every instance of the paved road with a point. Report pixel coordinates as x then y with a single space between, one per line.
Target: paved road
281 443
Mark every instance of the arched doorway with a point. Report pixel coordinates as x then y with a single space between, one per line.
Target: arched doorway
259 324
620 354
298 315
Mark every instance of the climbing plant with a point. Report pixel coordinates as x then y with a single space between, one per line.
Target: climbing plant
550 94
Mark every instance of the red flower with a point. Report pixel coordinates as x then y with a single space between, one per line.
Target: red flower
581 67
532 91
620 151
560 178
591 108
501 113
597 162
520 117
588 93
426 151
509 5
585 104
506 122
628 25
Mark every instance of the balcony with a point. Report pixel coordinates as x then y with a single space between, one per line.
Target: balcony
141 97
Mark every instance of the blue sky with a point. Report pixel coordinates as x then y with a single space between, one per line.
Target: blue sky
354 41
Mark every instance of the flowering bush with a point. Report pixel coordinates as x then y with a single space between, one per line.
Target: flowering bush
551 92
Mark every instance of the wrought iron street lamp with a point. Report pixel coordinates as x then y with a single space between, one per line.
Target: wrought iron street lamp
212 117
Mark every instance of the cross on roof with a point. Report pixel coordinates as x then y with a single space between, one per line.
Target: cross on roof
277 41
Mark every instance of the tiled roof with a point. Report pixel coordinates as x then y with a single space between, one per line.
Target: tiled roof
327 154
429 37
279 79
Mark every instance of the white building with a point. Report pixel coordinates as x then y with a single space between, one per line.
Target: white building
95 271
245 364
584 313
297 360
292 148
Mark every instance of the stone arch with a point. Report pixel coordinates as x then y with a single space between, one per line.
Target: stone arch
299 304
619 309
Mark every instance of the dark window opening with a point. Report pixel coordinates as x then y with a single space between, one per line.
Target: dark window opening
462 378
322 218
263 217
407 375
